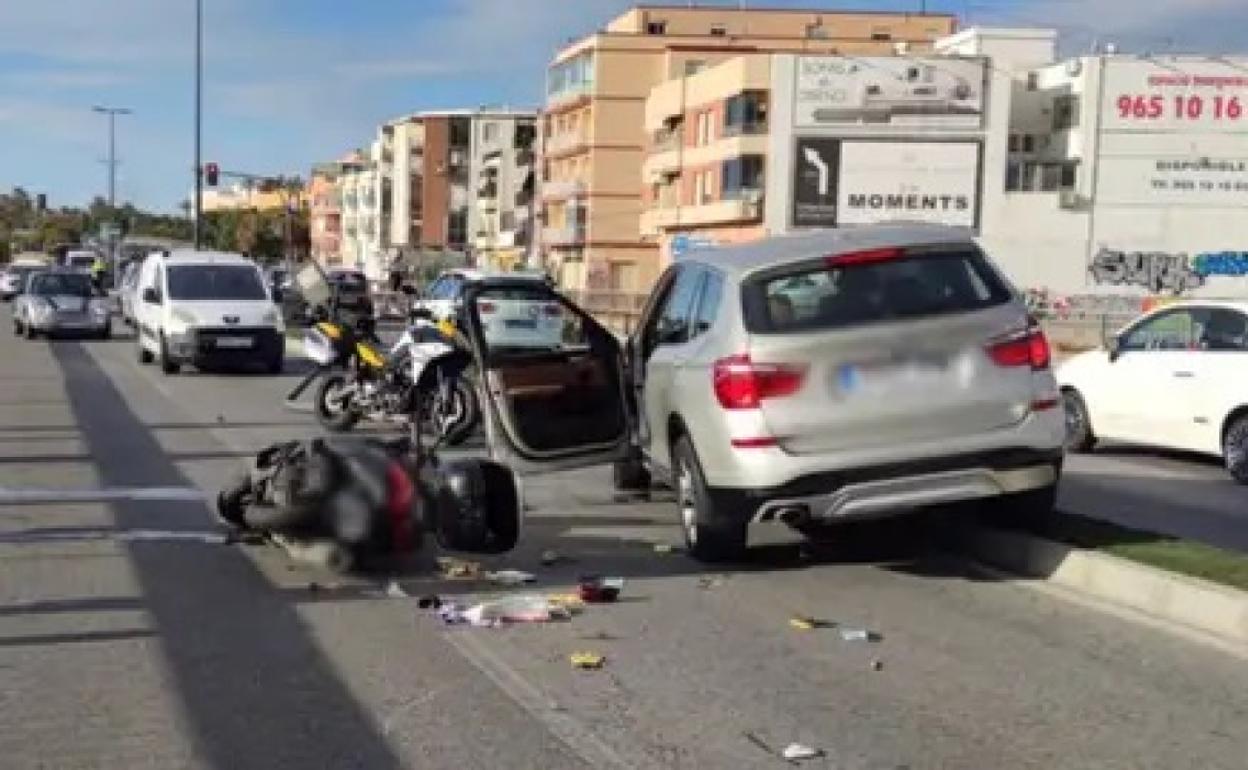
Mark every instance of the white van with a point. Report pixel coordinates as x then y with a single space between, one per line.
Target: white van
206 308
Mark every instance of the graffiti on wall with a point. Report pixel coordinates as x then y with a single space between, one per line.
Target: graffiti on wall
1163 272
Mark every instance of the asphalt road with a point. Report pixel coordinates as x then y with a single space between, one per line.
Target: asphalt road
123 647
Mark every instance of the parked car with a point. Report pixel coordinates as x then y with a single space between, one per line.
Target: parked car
206 308
61 302
510 319
127 291
1176 377
917 379
14 277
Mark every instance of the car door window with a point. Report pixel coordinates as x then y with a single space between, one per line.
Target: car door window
1224 330
1174 330
674 319
708 304
435 289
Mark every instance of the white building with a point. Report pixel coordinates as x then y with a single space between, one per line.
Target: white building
1114 173
501 180
361 188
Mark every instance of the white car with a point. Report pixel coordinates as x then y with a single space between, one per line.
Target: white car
206 308
512 320
1176 377
61 302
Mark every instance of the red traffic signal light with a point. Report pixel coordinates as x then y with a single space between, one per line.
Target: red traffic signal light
211 173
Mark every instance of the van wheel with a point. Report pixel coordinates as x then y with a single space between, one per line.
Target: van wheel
142 354
1079 435
167 365
708 540
1235 449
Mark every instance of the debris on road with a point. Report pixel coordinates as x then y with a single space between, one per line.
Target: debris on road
551 558
511 577
395 591
459 568
595 589
160 535
797 751
429 602
807 623
877 665
524 608
707 583
587 660
759 742
859 635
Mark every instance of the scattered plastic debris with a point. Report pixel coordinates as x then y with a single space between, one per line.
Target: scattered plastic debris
807 623
587 660
877 665
707 583
429 602
859 635
602 636
459 568
511 577
525 608
597 589
395 591
759 742
797 751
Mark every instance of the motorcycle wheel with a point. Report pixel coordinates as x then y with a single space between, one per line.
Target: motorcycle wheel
453 416
332 409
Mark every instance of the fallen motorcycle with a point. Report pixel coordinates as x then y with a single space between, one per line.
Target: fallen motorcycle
346 504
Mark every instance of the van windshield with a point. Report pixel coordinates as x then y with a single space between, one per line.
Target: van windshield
215 282
828 294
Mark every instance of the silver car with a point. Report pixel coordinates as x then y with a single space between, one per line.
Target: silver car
808 379
61 302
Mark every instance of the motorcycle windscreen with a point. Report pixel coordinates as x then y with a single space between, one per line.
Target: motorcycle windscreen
312 285
552 378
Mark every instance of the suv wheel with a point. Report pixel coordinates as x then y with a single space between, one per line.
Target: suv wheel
1235 449
707 539
1079 435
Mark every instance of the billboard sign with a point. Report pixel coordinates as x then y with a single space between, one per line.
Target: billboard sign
1175 94
858 182
1174 179
903 91
815 182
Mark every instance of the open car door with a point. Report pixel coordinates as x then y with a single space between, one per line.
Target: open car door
552 378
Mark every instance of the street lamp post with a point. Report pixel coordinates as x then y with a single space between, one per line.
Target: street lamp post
112 113
199 102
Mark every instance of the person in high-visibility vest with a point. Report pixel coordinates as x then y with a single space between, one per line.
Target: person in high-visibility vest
99 268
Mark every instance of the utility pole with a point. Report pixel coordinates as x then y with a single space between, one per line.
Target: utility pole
199 104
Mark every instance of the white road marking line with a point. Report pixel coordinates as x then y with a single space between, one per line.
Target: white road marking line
576 736
121 535
156 494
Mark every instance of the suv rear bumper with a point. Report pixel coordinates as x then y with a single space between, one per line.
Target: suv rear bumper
872 492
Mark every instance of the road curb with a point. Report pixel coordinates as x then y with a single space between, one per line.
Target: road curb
1193 604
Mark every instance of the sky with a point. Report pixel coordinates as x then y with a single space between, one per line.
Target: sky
288 83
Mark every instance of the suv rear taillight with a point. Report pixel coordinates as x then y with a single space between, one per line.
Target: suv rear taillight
1028 348
742 384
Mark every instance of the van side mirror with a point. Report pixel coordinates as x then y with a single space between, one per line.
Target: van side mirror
150 296
1113 345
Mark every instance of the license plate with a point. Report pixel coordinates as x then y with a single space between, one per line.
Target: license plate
233 342
521 324
890 378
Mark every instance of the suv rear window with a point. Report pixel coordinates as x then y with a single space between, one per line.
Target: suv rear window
820 295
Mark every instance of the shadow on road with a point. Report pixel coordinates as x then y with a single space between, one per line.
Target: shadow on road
256 690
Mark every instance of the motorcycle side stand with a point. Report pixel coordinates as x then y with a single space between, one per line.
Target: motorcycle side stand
323 553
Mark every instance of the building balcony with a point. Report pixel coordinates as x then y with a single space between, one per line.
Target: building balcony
660 164
563 236
569 143
557 189
746 209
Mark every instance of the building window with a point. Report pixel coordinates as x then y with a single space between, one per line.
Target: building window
694 66
1028 143
743 177
572 77
704 129
457 228
881 35
489 132
1065 113
1033 81
746 113
1069 175
656 28
816 31
460 132
718 30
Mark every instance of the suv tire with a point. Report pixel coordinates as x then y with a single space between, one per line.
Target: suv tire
1235 449
708 539
1079 435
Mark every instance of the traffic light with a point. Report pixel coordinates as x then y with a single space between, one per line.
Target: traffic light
211 173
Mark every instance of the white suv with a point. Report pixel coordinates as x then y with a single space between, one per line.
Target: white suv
808 379
206 308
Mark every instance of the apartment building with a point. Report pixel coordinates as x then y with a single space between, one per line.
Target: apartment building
325 210
594 121
248 197
503 182
359 188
